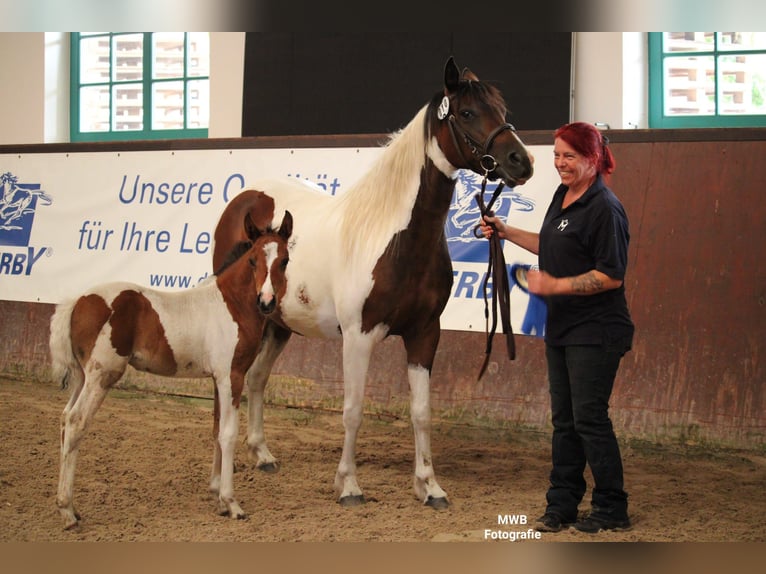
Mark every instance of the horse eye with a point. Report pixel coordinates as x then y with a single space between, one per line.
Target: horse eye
251 261
467 114
283 263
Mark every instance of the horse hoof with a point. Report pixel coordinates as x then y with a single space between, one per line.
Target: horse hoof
233 514
268 467
352 500
440 503
71 519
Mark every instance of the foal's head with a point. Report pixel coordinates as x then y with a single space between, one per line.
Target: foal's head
268 257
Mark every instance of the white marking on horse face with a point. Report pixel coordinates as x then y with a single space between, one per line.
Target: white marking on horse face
270 250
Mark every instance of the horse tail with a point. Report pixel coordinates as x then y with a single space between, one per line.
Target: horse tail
64 364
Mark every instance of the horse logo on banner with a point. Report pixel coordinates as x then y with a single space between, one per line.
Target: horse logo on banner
464 213
18 202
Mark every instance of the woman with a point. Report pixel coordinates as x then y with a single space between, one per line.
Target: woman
583 254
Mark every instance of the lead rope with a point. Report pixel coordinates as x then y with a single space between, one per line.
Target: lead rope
496 268
501 290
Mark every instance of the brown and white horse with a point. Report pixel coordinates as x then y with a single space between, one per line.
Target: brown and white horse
213 330
373 261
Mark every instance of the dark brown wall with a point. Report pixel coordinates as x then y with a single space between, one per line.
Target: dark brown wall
351 77
696 287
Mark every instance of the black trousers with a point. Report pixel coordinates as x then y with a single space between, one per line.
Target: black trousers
581 378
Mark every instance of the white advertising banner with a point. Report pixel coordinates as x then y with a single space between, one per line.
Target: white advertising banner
69 221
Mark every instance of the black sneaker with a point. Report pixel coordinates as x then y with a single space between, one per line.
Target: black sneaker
594 524
549 522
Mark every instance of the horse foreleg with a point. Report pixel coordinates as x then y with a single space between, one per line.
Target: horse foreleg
274 340
75 419
357 349
420 354
229 391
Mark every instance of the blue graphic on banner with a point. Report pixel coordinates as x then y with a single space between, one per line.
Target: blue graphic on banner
464 215
18 202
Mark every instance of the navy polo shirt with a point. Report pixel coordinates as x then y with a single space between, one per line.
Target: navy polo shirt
591 233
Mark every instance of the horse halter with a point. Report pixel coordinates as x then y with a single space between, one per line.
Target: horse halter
487 161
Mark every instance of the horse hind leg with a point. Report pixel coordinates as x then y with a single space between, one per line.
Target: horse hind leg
77 416
75 379
274 340
357 349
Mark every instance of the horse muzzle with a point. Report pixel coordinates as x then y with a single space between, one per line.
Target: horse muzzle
514 168
511 161
266 305
517 173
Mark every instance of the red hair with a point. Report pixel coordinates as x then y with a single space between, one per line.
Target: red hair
590 143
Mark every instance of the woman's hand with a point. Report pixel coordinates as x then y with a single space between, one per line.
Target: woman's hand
487 229
540 282
524 239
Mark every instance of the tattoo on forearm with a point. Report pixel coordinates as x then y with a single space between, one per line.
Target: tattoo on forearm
587 283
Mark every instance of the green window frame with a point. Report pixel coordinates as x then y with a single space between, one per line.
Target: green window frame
105 91
717 53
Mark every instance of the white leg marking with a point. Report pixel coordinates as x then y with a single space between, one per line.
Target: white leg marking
75 420
227 437
215 474
357 348
426 487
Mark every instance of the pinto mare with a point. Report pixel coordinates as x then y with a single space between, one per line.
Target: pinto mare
214 329
373 261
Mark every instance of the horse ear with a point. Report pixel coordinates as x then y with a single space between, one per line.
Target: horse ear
286 227
469 75
451 76
251 230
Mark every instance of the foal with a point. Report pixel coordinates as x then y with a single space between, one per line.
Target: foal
213 330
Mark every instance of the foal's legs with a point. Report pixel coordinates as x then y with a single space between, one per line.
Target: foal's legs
274 340
357 348
77 415
229 391
420 353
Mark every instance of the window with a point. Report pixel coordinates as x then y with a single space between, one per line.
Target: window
707 79
130 86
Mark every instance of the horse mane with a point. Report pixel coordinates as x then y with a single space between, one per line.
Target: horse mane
233 255
379 205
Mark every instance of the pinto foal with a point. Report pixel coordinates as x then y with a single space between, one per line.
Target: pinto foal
213 330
